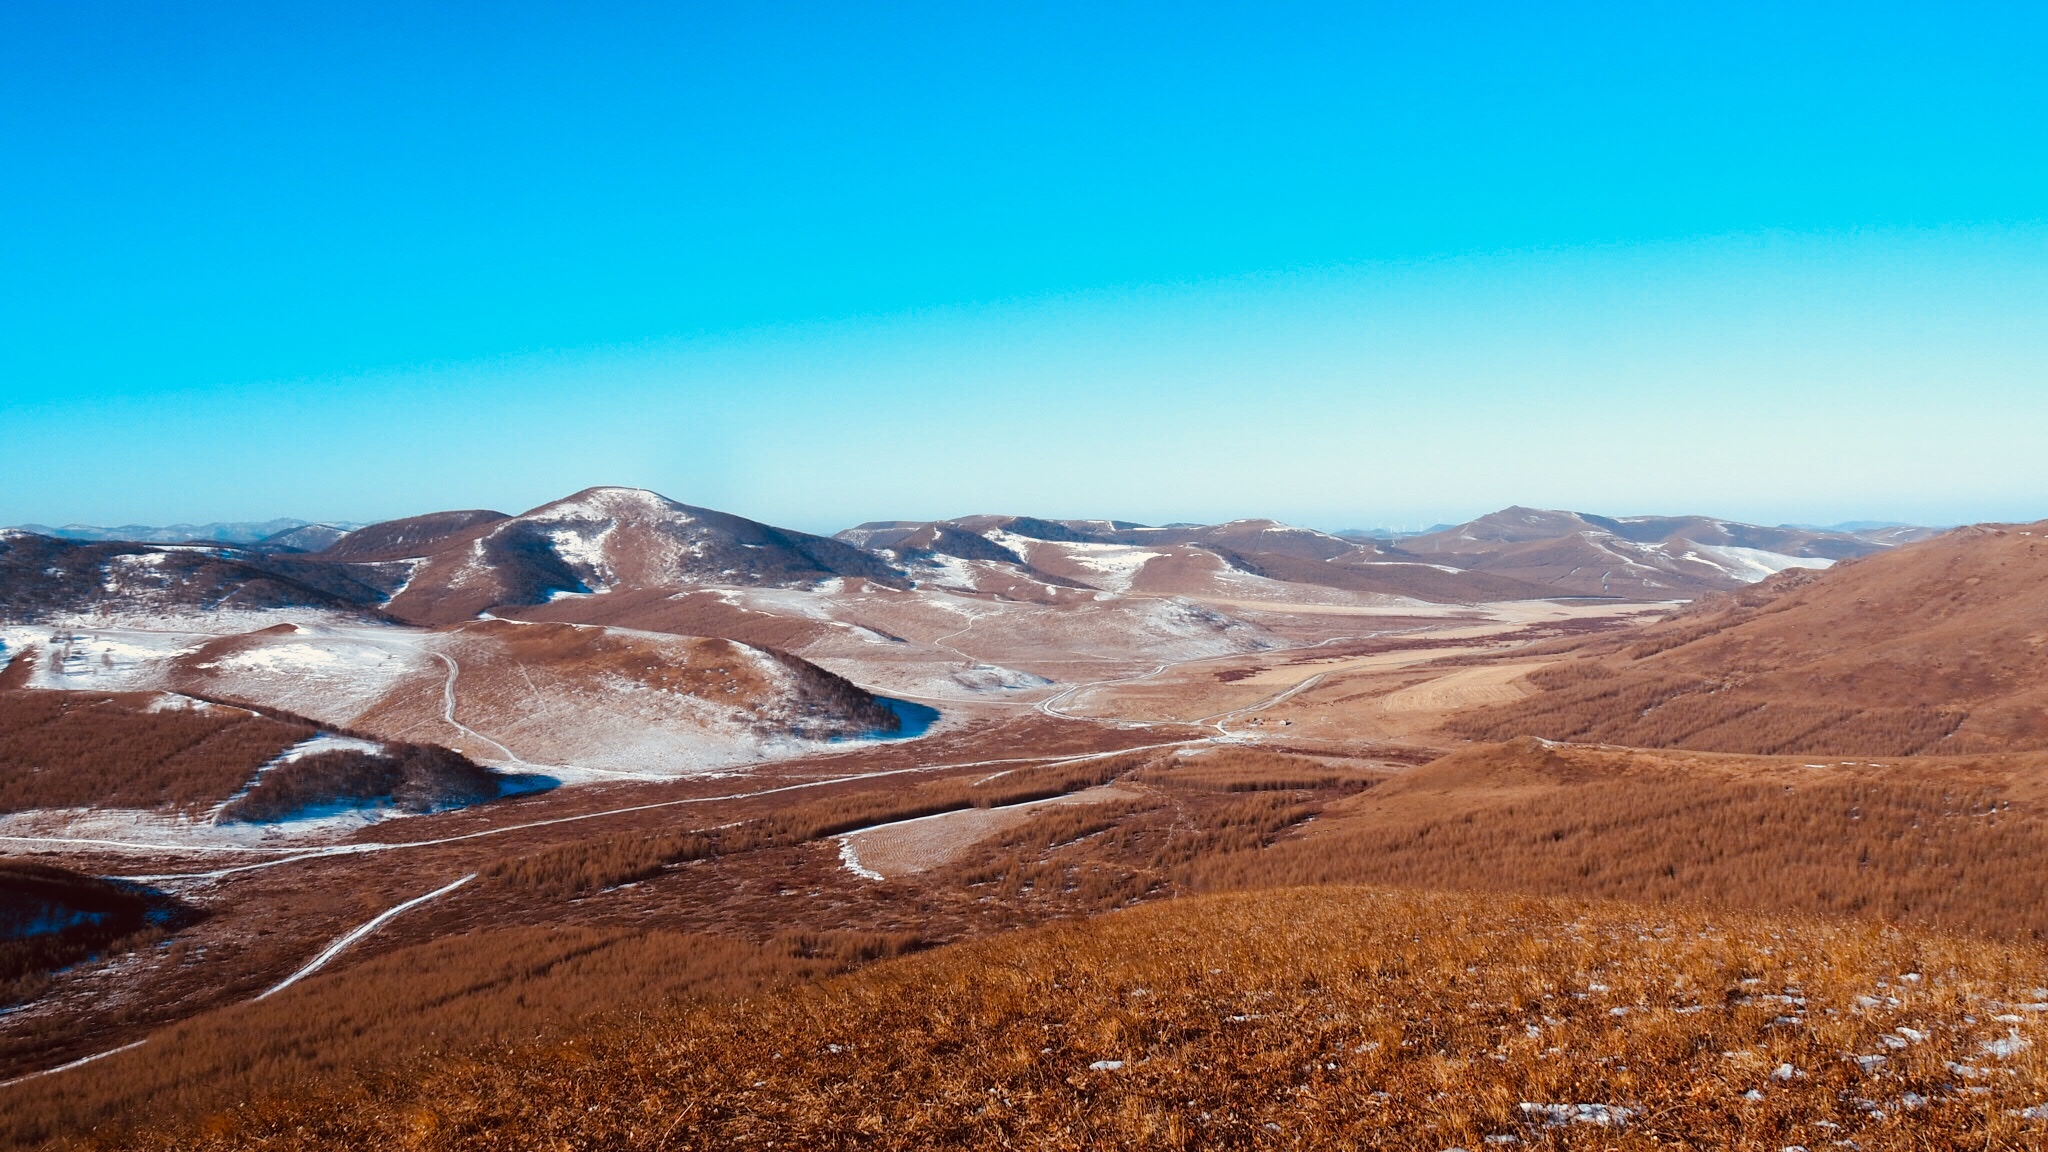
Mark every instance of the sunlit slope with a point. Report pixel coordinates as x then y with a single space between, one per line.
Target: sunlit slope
1936 647
1958 843
1334 1018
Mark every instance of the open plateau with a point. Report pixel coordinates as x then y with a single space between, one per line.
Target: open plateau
624 823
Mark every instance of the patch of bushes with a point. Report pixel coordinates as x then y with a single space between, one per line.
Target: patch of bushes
409 777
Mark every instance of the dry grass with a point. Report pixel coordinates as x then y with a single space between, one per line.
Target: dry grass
416 1005
1594 703
1258 770
1955 844
1333 1018
587 866
1933 648
109 750
1084 861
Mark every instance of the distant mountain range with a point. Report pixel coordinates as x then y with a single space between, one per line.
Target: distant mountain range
281 534
1516 553
1642 557
635 551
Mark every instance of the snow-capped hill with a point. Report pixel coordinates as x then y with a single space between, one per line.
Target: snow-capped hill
1650 557
873 533
304 538
1121 557
607 539
42 578
1257 537
616 536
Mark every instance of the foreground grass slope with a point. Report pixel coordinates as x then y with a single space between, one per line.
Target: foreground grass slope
1337 1017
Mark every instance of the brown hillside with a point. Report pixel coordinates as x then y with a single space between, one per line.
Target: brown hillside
601 540
51 918
564 694
1937 647
681 613
129 750
1340 1018
410 537
1955 842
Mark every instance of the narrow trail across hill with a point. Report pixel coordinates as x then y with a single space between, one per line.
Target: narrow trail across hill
1051 704
448 712
341 945
327 955
1220 720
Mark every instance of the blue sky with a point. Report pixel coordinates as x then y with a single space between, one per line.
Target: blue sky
1343 264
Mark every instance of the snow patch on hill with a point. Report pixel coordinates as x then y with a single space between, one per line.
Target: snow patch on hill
1754 564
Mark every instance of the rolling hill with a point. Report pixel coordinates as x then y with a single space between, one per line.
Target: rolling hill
1203 560
1640 557
1939 646
599 540
45 578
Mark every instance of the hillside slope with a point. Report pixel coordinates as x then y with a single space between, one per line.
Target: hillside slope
1640 557
598 540
562 697
1337 1018
43 578
1937 646
1234 559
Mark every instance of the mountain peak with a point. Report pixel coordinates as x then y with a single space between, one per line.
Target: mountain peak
606 502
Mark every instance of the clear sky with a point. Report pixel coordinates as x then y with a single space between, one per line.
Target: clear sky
1344 264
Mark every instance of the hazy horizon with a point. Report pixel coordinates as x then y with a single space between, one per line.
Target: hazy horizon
1406 528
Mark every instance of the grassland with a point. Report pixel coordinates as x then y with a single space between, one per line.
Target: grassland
1328 1018
123 750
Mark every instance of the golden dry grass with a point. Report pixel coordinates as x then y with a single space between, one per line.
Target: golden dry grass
1935 648
1956 844
603 862
1238 769
110 749
1326 1018
423 1003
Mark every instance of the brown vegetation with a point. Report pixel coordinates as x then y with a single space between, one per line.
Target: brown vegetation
407 1007
1063 862
1331 1018
1958 844
412 777
1261 770
122 750
591 865
1936 648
